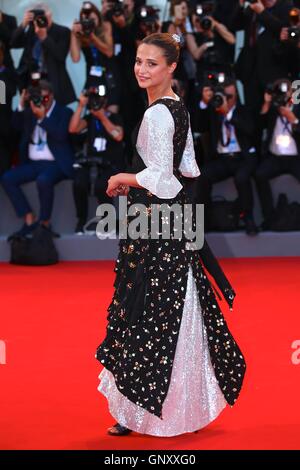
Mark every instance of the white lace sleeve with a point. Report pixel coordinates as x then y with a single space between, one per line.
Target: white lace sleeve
188 166
155 146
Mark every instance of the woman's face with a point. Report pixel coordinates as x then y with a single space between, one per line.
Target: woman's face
151 68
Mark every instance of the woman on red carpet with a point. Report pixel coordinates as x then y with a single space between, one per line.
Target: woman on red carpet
170 362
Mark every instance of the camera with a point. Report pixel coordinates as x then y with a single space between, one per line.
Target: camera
97 96
216 80
34 92
88 24
294 29
203 11
40 18
116 9
148 16
279 93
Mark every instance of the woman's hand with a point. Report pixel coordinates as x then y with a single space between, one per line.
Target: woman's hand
116 188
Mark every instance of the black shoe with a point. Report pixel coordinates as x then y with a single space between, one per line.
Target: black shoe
265 226
250 226
118 430
24 231
49 228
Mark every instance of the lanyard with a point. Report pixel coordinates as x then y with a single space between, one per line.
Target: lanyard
228 132
285 124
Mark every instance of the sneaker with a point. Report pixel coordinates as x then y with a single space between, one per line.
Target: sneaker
79 230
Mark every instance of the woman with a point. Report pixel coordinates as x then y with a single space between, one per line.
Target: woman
170 361
93 36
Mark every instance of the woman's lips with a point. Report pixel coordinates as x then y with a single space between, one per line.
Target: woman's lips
143 78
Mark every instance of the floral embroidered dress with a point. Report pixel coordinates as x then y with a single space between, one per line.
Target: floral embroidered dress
170 362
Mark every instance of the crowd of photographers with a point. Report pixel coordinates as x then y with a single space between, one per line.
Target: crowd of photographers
44 141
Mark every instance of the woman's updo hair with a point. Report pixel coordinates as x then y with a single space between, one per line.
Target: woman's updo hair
170 45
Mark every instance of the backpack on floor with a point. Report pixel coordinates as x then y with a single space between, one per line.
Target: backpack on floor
36 250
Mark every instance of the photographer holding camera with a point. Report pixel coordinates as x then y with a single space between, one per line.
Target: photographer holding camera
104 155
281 119
209 43
45 152
7 136
231 130
289 46
258 63
46 46
92 35
8 24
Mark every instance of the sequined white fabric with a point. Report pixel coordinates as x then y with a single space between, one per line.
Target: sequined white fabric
155 146
194 398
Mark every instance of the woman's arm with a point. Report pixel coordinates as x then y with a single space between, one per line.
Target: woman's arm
77 124
75 45
196 51
107 46
224 32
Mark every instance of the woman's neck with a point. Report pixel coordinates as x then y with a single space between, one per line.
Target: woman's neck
159 92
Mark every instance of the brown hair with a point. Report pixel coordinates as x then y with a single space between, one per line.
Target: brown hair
166 42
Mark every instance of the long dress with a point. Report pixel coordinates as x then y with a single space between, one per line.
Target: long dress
171 364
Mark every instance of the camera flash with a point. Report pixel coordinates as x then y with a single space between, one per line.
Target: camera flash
101 90
221 77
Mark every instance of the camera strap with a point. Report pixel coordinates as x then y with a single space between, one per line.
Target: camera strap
286 125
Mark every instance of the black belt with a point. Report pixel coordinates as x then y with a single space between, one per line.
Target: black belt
230 154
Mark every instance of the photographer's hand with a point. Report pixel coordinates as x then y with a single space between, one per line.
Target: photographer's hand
286 112
23 99
83 101
76 28
284 34
28 17
224 109
207 94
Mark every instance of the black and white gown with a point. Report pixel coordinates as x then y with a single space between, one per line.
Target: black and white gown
170 362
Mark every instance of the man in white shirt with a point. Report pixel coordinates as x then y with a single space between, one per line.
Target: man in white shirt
280 119
45 153
231 130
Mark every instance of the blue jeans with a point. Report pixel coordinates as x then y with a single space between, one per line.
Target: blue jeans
45 173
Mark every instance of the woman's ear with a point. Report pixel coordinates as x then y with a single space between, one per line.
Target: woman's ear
172 67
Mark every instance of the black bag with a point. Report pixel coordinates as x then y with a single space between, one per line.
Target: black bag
287 215
37 250
223 216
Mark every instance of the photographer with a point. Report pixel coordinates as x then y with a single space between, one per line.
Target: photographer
124 17
45 153
208 44
8 24
7 136
46 46
231 148
258 63
92 35
288 49
104 154
280 117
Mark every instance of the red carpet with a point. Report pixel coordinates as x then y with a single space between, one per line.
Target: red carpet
53 318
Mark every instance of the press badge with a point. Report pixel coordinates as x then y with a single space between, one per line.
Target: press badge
118 48
96 71
100 144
